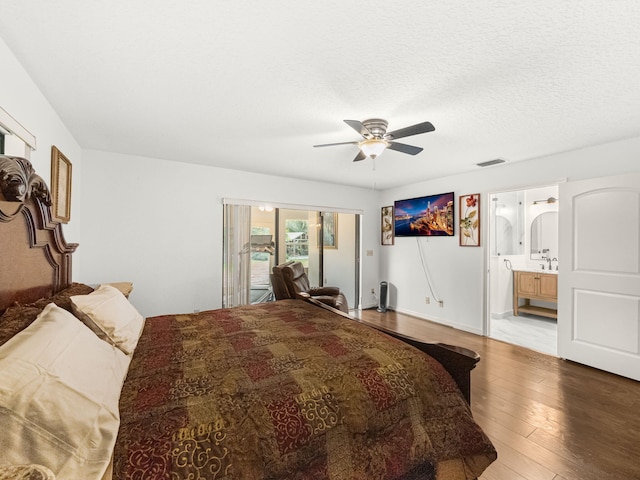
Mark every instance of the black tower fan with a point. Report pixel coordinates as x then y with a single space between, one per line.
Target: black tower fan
382 303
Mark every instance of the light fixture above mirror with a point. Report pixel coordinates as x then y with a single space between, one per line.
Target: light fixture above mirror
548 200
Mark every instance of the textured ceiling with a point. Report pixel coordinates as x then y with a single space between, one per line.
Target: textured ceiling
252 85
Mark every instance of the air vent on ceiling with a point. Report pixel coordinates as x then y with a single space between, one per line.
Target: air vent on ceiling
490 162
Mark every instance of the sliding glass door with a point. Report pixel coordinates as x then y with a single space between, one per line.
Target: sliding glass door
257 237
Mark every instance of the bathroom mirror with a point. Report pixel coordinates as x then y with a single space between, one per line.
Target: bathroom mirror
544 236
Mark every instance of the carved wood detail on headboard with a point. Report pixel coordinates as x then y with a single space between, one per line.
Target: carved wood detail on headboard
35 259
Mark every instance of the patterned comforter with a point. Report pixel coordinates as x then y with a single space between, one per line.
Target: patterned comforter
287 390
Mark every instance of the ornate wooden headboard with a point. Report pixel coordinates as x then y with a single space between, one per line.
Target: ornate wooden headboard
35 259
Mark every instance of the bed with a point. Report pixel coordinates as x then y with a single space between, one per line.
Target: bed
283 390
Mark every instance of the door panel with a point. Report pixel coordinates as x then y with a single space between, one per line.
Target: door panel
607 320
528 283
606 236
298 240
548 286
599 289
262 253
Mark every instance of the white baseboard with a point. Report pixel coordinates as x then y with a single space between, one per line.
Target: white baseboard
442 321
367 306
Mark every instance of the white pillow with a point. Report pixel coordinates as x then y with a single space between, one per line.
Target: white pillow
59 391
109 314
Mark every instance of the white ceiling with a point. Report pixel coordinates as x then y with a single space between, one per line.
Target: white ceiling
252 85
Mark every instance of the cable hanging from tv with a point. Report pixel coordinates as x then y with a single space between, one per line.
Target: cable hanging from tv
426 272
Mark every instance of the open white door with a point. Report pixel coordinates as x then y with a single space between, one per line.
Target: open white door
599 281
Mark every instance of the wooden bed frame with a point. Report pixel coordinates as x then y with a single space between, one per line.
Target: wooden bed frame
36 260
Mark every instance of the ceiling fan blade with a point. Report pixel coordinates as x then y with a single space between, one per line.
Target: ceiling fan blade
359 127
360 156
423 127
404 148
332 144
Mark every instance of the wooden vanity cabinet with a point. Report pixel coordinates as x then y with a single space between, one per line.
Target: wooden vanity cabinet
535 286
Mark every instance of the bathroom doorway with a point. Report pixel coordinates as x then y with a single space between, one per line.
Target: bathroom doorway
523 267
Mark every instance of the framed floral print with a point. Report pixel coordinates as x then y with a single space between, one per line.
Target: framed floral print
60 186
470 220
386 225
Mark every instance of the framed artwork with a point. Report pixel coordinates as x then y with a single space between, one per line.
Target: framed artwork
386 225
470 220
330 229
60 186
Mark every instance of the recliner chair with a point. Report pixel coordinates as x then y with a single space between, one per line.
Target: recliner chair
280 290
289 280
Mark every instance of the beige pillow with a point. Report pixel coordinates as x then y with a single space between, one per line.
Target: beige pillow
125 287
25 472
109 314
59 391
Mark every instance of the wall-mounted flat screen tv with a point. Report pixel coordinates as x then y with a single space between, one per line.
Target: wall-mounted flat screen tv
432 215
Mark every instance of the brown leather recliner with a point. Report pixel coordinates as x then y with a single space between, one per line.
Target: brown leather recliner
289 280
280 290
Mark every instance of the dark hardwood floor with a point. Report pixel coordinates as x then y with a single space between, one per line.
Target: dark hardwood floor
549 419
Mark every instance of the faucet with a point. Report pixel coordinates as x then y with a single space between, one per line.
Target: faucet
554 259
548 259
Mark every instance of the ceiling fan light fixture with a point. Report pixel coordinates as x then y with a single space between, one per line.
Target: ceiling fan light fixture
372 147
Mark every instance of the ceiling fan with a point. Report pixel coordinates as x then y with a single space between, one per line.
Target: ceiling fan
376 138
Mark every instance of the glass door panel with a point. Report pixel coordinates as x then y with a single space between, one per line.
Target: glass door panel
297 240
262 257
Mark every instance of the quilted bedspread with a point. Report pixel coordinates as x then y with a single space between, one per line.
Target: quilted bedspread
287 390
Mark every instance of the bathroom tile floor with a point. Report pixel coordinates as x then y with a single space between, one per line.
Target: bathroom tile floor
530 331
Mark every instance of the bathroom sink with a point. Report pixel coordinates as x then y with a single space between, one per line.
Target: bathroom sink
536 270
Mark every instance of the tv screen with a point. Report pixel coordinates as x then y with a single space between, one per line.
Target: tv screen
432 215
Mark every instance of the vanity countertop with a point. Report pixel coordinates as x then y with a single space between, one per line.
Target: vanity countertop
534 270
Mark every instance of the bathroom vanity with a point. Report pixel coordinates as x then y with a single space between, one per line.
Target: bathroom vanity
534 285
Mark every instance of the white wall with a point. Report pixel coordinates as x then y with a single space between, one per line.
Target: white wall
458 273
22 99
340 266
158 223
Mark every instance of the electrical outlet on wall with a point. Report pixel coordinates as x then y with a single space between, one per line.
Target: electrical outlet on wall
427 300
441 303
373 291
